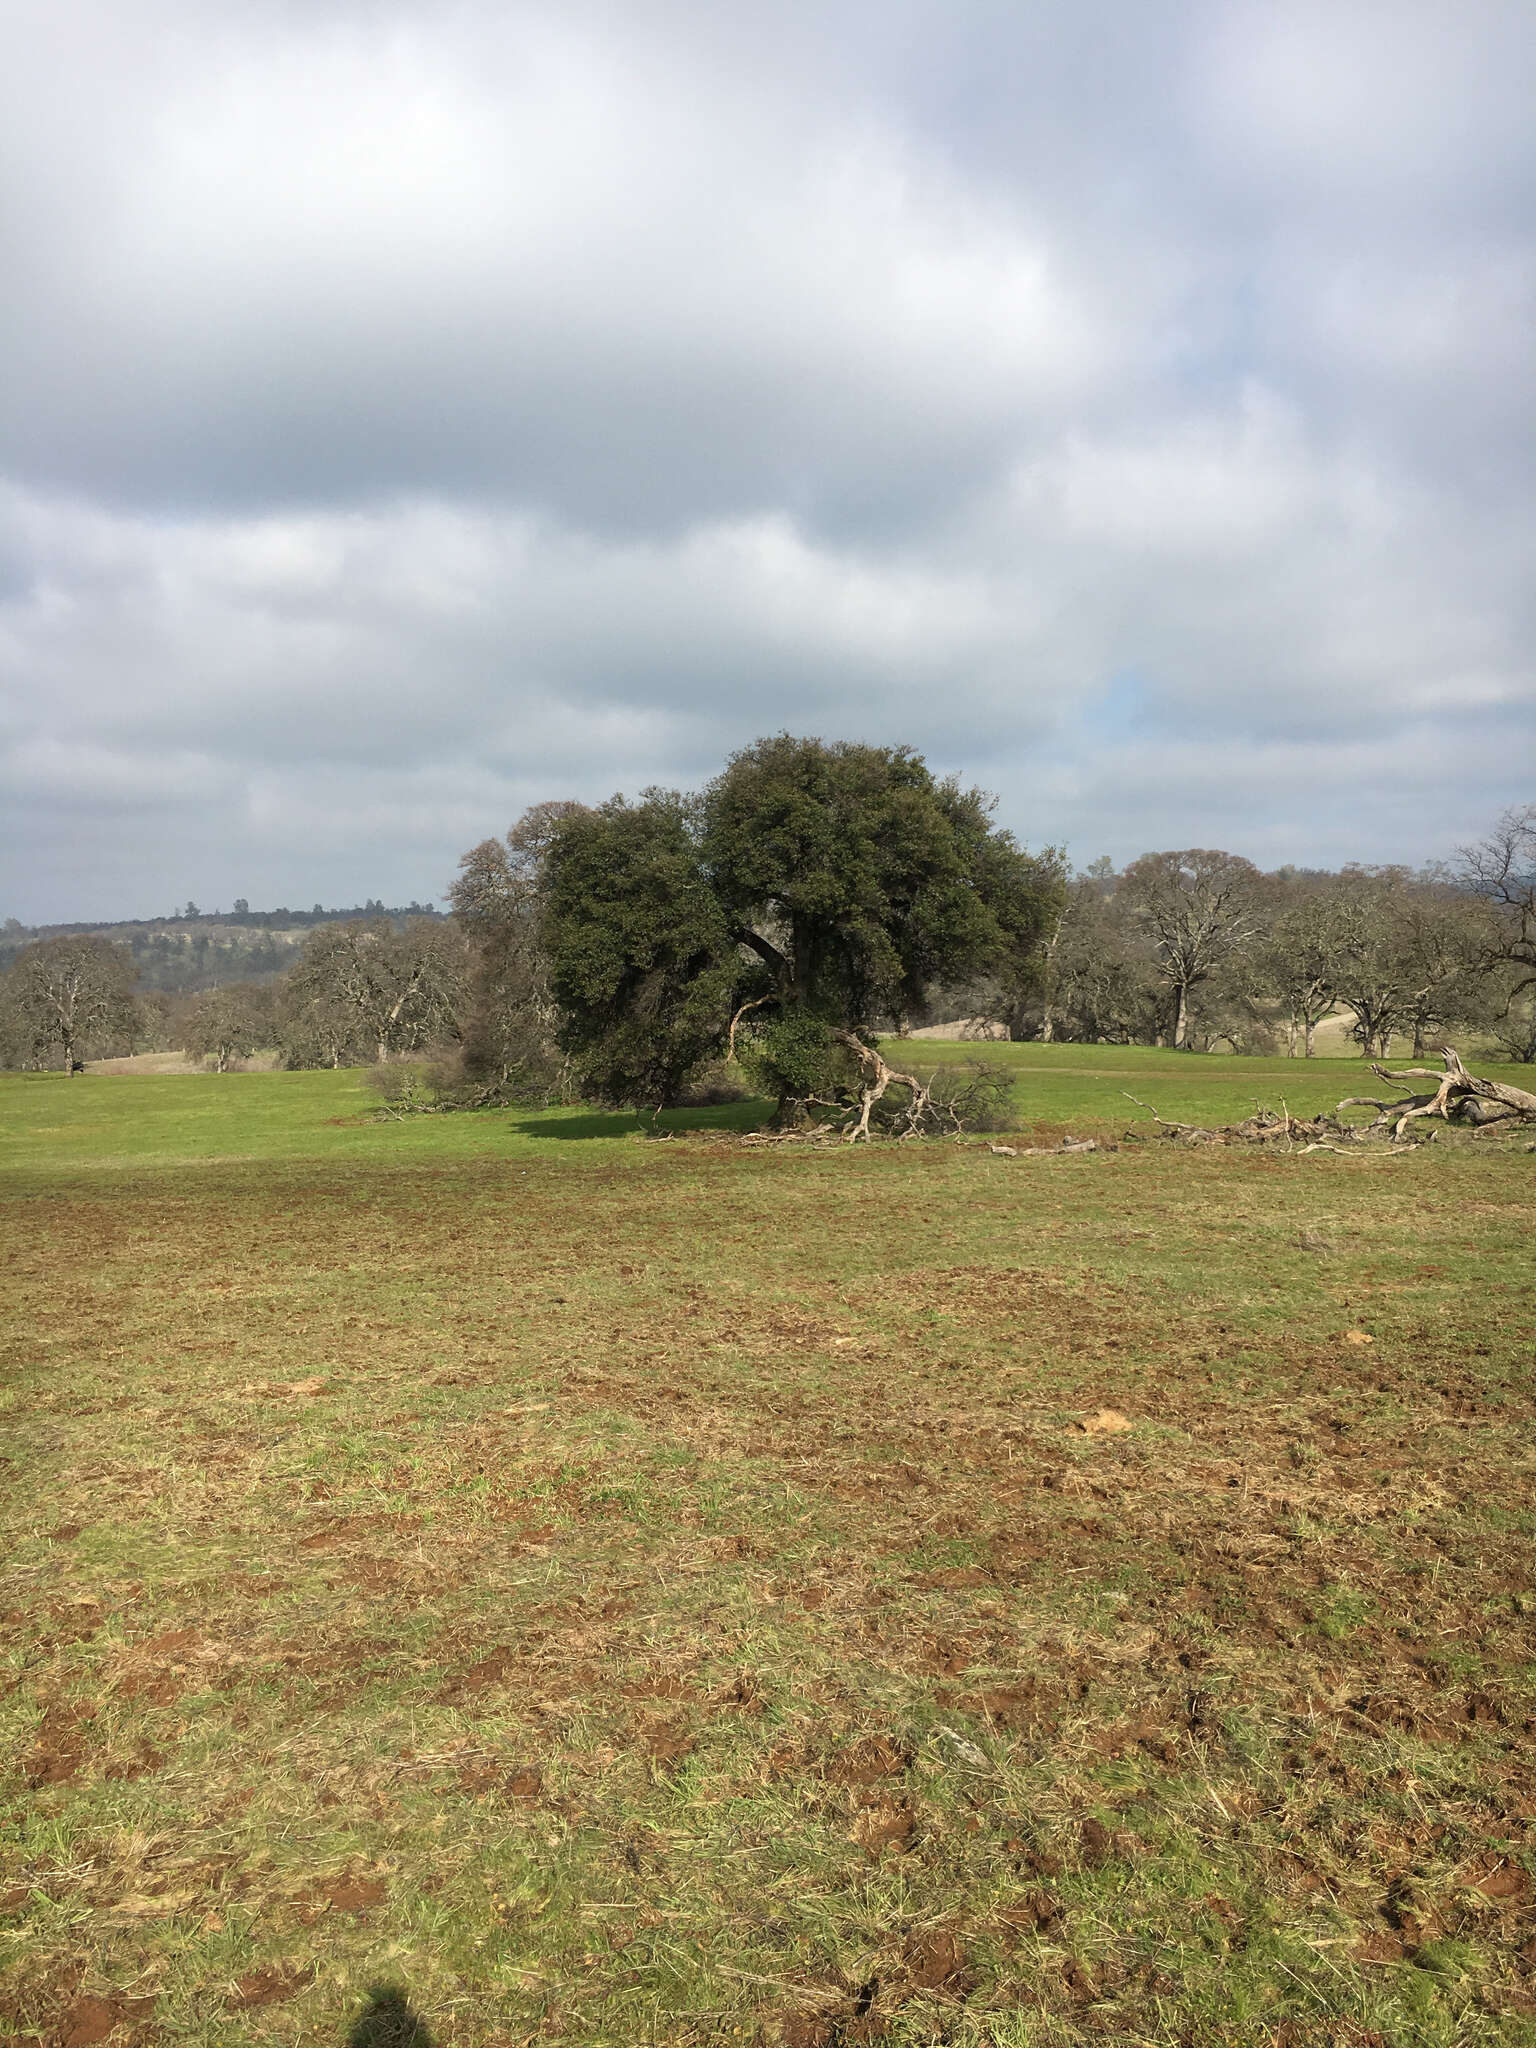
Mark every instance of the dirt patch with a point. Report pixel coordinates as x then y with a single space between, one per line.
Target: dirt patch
58 1750
90 2018
933 1960
494 1669
273 1985
350 1894
664 1686
666 1742
171 1644
1037 1912
522 1781
867 1761
882 1823
1499 1879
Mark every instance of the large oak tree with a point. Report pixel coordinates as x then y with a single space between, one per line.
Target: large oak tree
812 891
68 995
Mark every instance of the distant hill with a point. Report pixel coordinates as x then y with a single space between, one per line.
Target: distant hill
192 950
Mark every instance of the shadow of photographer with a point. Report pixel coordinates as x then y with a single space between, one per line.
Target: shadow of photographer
387 2020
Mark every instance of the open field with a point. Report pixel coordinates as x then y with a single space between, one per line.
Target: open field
631 1592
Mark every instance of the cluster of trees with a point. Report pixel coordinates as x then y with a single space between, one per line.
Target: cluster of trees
811 896
1199 949
808 899
361 992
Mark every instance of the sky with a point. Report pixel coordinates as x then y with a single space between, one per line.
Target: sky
411 410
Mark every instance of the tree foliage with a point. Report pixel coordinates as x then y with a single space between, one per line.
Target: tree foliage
642 955
812 891
509 1028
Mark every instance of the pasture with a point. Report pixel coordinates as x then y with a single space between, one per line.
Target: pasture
619 1591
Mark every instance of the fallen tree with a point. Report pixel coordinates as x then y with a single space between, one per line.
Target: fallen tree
1458 1097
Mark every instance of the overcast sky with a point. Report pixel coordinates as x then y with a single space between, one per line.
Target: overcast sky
413 409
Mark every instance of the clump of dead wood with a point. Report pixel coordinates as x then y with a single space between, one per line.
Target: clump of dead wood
884 1101
1458 1097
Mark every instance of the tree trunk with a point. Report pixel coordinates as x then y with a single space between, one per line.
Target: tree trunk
1311 1036
1290 1036
1180 1016
1478 1100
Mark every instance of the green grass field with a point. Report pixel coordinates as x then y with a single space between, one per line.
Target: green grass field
617 1591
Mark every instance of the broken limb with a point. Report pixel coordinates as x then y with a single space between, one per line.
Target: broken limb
877 1076
1459 1096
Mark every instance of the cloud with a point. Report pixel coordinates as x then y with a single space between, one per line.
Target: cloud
412 410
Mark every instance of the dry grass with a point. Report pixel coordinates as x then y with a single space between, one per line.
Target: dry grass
630 1592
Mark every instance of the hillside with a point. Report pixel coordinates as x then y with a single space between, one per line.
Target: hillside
180 954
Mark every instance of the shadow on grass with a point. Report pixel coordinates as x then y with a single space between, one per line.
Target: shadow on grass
387 2021
627 1123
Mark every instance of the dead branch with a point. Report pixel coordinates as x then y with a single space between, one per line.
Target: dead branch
1264 1127
756 1004
1195 1132
878 1076
1458 1097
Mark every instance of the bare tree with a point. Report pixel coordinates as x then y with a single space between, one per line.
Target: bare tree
1447 938
1102 986
67 995
364 990
1502 870
1406 952
1294 961
1371 970
1197 906
228 1023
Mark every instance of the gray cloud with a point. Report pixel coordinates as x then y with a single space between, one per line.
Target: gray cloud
409 411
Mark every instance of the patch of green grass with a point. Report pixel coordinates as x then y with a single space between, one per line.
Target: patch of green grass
621 1591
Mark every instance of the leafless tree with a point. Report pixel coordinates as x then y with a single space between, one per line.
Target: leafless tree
1196 906
66 995
364 990
1502 870
228 1023
1294 962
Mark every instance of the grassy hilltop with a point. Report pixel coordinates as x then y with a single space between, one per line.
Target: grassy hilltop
628 1592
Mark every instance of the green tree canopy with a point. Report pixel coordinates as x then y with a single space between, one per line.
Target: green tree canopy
643 963
812 890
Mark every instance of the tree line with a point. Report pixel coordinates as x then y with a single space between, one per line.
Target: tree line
763 933
1200 949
